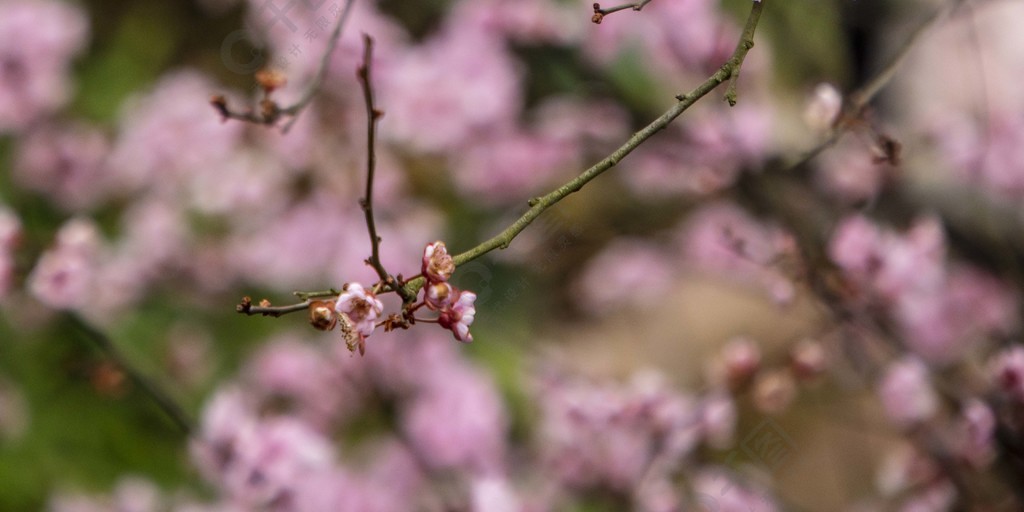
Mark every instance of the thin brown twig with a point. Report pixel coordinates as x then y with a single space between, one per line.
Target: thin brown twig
246 307
159 396
270 112
600 13
373 116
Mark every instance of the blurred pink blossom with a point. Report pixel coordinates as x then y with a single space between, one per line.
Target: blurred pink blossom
974 434
256 462
171 133
849 170
941 308
603 435
628 273
67 163
288 370
456 420
38 39
65 275
906 392
507 166
722 238
493 494
716 489
823 107
940 495
990 156
530 22
594 123
446 92
702 156
971 305
688 35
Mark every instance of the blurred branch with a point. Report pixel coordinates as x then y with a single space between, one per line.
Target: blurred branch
162 399
856 102
727 71
600 13
270 112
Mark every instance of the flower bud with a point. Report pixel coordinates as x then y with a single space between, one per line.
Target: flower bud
322 315
808 359
741 358
438 295
774 391
438 265
270 79
823 107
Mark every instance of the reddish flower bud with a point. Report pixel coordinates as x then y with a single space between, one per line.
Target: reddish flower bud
270 79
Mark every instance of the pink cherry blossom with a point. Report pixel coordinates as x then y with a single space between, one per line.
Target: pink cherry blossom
360 306
459 316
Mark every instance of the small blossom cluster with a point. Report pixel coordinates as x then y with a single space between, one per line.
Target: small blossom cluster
635 439
356 310
454 306
740 367
942 308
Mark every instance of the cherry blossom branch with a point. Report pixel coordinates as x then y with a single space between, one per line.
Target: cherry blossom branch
600 13
728 71
270 112
264 308
159 396
373 116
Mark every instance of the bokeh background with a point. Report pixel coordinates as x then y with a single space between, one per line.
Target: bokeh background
657 341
